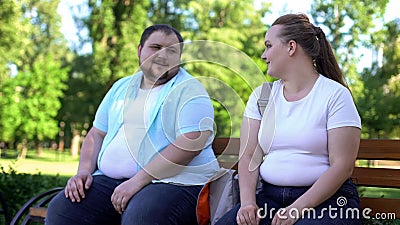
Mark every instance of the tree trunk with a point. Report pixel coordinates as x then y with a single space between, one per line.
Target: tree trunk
39 148
61 146
61 135
24 149
75 144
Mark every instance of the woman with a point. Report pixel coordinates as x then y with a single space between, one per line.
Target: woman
307 139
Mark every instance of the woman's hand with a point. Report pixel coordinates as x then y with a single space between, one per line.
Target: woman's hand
247 214
76 186
286 216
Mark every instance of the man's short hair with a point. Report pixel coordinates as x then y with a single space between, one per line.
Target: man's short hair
167 29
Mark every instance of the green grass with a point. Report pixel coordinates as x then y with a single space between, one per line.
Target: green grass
374 192
49 163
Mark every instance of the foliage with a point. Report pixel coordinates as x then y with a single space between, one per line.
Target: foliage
31 41
31 99
17 188
115 41
10 42
115 28
351 25
238 25
32 102
379 101
347 22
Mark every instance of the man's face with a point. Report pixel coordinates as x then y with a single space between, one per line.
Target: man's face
159 58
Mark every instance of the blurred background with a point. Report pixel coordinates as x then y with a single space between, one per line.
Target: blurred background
58 58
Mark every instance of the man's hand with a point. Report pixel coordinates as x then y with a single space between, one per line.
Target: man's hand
76 186
123 193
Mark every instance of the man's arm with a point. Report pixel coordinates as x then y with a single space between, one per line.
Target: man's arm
171 161
176 156
76 185
90 150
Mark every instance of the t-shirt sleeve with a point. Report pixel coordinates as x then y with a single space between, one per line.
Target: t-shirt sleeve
196 115
101 117
342 111
251 110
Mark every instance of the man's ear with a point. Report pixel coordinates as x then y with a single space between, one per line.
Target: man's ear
139 50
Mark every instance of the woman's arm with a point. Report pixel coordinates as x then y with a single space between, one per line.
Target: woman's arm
343 146
250 158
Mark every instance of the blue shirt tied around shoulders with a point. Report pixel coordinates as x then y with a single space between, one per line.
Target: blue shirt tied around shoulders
182 106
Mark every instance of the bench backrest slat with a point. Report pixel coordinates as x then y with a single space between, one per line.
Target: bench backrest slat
376 149
377 177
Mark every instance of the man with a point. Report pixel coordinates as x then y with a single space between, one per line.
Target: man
149 152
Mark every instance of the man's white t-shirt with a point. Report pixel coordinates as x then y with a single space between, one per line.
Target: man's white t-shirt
118 159
293 135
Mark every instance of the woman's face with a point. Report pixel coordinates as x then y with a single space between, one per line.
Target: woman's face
275 52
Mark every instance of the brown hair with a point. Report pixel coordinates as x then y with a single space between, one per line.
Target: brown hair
167 29
312 39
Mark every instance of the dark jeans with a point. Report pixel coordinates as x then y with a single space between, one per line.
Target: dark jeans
342 208
157 203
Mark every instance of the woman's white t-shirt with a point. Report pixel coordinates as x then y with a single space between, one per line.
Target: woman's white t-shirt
293 135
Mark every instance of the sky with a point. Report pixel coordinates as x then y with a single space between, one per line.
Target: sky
279 7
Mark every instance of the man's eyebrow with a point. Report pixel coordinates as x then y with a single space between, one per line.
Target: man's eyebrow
175 46
155 44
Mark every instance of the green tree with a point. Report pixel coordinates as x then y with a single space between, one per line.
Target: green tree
115 28
238 25
348 24
10 41
114 32
174 13
79 104
380 98
35 96
34 93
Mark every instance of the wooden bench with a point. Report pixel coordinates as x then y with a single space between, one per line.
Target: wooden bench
227 149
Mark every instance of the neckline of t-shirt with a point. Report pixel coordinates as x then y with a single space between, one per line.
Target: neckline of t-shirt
154 89
302 99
